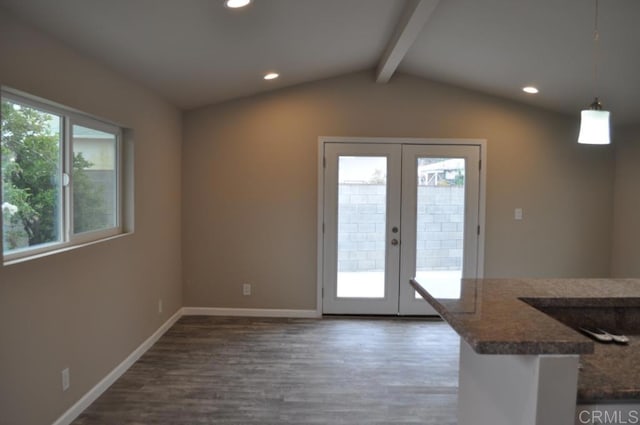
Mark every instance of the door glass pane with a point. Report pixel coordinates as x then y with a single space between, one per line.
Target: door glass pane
362 203
440 226
94 180
31 177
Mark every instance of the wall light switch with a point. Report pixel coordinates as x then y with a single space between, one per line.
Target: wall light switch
518 214
246 289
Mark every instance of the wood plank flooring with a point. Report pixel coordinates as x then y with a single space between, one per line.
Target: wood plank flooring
245 371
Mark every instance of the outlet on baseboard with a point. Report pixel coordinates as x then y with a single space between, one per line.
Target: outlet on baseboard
246 289
160 306
66 382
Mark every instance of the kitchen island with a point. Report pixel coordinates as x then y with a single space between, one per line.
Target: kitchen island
523 361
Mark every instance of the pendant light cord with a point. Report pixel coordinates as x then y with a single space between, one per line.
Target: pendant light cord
596 50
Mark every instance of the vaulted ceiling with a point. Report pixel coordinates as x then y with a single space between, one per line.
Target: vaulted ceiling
198 52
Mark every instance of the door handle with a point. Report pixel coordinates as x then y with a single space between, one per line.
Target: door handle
394 242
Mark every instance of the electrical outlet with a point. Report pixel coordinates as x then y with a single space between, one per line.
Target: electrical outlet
66 382
246 289
160 306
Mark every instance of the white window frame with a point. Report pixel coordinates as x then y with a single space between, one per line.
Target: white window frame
78 238
68 238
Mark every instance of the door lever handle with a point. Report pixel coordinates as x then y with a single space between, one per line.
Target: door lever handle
394 242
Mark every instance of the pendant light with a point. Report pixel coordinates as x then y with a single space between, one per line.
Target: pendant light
594 123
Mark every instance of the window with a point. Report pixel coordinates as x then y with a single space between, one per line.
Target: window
61 177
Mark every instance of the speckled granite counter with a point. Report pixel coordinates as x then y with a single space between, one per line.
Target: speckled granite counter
512 316
611 373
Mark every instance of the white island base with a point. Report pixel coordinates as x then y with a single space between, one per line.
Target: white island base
498 389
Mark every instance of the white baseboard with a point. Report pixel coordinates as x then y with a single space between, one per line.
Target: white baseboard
249 312
74 411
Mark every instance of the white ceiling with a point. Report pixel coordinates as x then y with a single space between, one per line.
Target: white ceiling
197 52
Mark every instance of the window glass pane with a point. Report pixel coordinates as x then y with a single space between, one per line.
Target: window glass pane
362 204
440 226
31 171
94 179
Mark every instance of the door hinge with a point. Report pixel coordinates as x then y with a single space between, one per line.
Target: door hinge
324 162
323 227
480 165
323 292
478 230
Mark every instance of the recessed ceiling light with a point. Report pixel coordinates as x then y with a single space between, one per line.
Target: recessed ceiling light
271 76
236 4
530 90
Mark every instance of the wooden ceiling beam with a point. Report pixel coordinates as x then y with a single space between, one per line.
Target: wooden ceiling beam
414 18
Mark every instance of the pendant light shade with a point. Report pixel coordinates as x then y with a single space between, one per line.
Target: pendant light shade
594 126
594 122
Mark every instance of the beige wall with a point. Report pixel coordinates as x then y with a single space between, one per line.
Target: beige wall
249 181
625 254
89 308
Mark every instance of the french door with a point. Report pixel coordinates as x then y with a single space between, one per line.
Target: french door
393 212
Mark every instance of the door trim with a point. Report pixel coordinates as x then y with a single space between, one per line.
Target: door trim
482 143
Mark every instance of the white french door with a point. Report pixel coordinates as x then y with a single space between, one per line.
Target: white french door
392 212
440 219
361 228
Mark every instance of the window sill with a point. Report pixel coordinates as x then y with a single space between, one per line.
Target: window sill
64 249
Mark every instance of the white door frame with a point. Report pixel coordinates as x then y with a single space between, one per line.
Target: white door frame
482 143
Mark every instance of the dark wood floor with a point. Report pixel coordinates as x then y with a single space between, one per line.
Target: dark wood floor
242 371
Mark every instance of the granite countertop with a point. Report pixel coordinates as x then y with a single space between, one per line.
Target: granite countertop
611 373
495 316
